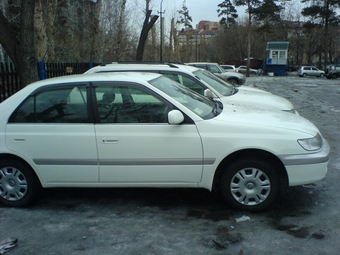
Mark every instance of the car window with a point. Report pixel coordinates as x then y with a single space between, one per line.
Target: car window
314 69
195 102
57 105
221 86
213 69
128 104
188 82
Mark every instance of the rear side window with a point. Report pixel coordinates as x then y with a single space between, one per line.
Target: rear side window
58 105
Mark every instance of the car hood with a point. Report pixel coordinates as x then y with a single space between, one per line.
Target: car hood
252 89
231 74
261 120
259 99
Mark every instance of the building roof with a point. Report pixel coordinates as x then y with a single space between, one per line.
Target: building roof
277 45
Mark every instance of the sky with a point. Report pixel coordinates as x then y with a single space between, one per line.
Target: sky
198 9
203 9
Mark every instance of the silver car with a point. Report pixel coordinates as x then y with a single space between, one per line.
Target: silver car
305 71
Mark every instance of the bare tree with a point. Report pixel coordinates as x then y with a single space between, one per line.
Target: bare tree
149 21
18 41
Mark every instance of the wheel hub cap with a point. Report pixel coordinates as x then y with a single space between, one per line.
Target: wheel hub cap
13 184
250 186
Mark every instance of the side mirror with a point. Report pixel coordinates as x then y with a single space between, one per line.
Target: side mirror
209 94
175 117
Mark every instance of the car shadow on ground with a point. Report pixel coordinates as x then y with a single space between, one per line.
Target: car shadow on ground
198 202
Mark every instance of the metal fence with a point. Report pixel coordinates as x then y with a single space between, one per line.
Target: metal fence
10 82
50 70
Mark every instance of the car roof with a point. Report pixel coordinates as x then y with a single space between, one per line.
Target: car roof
141 67
202 63
117 76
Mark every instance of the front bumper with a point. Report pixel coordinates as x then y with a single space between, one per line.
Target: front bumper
307 168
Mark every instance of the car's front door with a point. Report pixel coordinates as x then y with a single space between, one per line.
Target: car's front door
137 146
53 131
315 71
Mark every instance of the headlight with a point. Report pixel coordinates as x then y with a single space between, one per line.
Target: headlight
311 144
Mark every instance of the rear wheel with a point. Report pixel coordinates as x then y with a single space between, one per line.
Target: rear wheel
19 186
334 76
249 184
304 75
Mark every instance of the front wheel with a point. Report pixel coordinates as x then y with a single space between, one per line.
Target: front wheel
334 76
19 186
322 75
249 184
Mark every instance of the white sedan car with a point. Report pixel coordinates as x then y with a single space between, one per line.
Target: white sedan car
243 69
145 130
205 83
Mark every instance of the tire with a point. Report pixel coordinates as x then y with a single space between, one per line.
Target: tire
304 75
322 75
334 76
19 186
249 184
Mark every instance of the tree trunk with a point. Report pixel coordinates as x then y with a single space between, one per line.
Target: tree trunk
19 43
50 29
27 67
40 31
120 31
144 34
95 54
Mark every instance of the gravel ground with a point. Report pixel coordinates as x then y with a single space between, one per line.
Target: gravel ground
304 220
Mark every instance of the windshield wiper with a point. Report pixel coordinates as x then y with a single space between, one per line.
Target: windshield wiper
218 105
234 91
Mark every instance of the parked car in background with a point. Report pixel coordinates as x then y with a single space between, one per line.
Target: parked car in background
332 71
305 71
243 69
145 130
229 68
232 77
204 83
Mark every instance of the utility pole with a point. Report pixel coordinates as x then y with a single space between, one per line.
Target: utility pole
161 35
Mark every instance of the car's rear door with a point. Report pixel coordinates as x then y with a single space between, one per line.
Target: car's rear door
136 145
54 132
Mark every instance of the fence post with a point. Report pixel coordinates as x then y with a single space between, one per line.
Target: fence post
41 70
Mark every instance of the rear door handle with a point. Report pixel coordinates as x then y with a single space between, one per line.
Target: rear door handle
110 140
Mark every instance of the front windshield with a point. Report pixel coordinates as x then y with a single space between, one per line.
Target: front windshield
221 86
200 105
